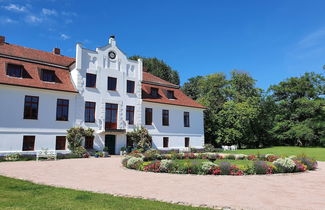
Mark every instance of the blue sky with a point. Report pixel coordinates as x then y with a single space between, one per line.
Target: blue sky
272 40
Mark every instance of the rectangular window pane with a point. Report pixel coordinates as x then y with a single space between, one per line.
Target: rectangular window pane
165 117
154 92
186 119
91 80
148 116
187 141
60 143
31 107
170 94
111 83
28 143
48 75
165 142
111 116
90 111
130 86
15 70
89 142
130 114
62 110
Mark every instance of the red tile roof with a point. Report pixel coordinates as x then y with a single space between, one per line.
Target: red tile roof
33 54
33 69
180 98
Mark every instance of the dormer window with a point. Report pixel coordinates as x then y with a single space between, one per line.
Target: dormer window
170 94
154 92
48 75
14 70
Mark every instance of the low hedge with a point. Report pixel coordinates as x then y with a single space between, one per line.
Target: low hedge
216 164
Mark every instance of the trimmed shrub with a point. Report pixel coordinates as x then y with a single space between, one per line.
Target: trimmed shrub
153 167
240 157
134 163
209 148
284 165
230 157
207 166
152 154
79 151
189 167
300 167
251 157
261 167
225 168
309 162
271 157
125 160
166 165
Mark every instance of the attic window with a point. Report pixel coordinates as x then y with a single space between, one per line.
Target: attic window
48 75
154 92
170 94
14 70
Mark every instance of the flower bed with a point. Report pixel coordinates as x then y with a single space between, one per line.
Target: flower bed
216 163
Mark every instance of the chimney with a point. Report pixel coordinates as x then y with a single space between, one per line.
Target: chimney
56 51
2 39
111 40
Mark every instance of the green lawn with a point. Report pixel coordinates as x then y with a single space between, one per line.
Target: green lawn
18 194
317 152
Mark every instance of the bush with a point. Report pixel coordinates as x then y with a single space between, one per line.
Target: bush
125 160
230 157
209 148
152 154
261 167
271 157
240 157
190 156
251 157
189 167
136 153
134 163
309 162
225 168
79 151
166 165
284 165
207 166
75 137
141 138
300 167
153 167
12 157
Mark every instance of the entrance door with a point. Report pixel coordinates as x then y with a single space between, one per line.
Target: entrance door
111 116
110 143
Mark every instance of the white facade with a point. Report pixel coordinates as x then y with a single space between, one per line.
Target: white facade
45 129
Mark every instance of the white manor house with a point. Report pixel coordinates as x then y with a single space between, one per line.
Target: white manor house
45 93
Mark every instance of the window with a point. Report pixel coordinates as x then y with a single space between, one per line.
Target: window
91 80
165 142
130 114
154 92
111 116
90 111
48 75
60 143
129 86
31 107
165 117
62 110
187 142
111 83
129 142
170 94
14 70
148 116
28 143
186 119
89 142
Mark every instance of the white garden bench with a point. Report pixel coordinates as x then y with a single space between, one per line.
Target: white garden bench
49 154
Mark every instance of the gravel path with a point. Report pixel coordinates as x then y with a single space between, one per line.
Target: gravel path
106 175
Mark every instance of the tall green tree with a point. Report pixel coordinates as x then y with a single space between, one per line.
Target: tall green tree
191 89
159 68
300 117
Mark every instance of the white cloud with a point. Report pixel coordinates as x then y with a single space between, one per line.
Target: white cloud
6 20
15 8
33 19
64 36
49 11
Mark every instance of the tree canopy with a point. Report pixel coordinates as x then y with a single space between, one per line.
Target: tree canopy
159 68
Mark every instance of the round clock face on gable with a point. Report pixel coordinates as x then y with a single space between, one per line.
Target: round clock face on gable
112 55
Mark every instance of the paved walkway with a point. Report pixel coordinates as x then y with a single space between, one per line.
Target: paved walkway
106 175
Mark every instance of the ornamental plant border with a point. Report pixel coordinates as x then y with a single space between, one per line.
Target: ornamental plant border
154 161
